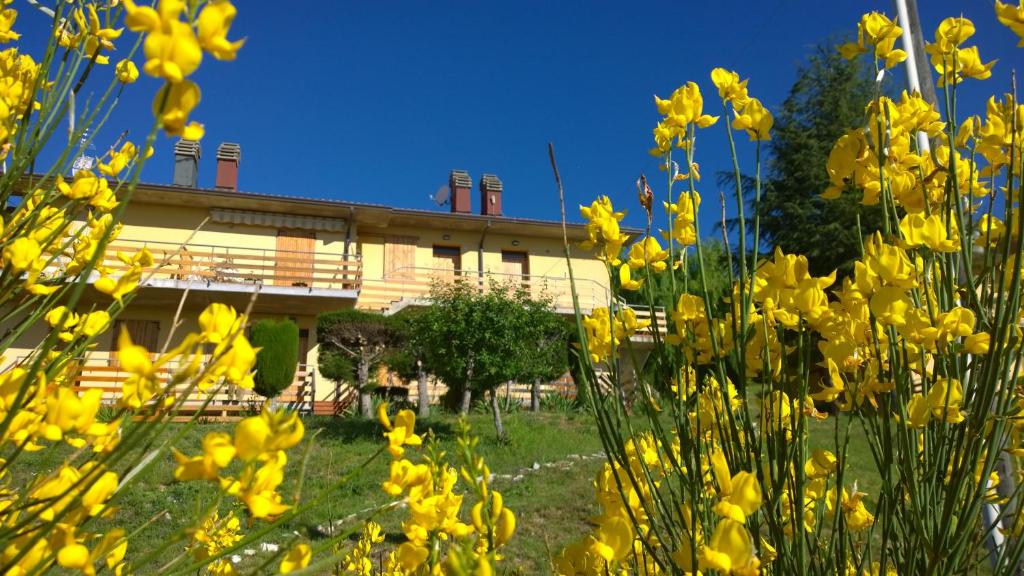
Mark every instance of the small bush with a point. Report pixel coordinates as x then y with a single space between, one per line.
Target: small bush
278 356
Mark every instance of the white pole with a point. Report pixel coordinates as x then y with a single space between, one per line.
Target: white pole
913 80
990 512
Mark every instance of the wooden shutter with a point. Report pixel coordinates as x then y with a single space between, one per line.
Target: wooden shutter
516 264
400 257
447 262
293 265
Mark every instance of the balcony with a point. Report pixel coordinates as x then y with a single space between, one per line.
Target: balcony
101 371
411 287
290 277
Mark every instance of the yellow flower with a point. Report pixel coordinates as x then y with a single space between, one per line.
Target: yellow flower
298 557
257 487
217 321
730 88
876 32
930 232
977 343
271 431
94 323
603 234
684 107
7 18
118 160
172 105
401 432
218 451
126 72
648 253
213 23
626 282
21 254
1013 18
171 48
404 474
951 33
944 398
613 539
741 497
755 119
730 549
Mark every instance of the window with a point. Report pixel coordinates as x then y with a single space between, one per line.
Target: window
142 332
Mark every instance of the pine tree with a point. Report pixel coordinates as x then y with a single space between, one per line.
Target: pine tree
827 99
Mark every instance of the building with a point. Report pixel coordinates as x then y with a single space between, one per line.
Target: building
304 256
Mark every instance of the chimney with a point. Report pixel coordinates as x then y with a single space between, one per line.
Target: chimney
460 185
490 195
229 156
186 163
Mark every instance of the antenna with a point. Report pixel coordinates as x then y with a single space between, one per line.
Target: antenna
442 195
84 161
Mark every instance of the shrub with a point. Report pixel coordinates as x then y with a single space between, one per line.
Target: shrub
278 356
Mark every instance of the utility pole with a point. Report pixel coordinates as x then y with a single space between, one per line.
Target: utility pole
919 76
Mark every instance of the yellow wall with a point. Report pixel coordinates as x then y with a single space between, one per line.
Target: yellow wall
173 224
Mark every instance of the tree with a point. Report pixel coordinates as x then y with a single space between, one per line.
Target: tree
278 356
827 99
409 361
365 338
477 340
549 357
688 280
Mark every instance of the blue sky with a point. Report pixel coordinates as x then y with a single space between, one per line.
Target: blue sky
377 101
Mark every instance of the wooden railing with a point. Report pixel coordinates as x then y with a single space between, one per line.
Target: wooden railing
408 284
103 373
209 264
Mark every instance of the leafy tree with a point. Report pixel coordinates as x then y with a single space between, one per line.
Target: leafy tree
827 99
365 338
477 340
549 357
410 361
278 356
716 274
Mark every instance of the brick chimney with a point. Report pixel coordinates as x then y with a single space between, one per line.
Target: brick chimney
186 163
229 156
490 195
460 185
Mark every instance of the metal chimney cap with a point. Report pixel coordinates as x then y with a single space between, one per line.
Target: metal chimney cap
460 178
229 151
490 183
187 148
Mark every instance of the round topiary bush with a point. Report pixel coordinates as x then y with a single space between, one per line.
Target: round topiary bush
278 356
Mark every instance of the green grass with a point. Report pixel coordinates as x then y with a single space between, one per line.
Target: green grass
553 504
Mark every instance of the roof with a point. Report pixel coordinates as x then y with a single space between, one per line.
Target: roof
366 215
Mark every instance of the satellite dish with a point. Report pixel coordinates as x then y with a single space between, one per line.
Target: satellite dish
441 196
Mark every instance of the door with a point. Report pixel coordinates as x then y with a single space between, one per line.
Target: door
293 260
447 263
515 264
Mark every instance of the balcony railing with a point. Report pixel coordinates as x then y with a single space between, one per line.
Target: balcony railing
411 284
102 372
212 264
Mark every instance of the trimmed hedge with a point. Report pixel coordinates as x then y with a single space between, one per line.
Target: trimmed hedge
278 356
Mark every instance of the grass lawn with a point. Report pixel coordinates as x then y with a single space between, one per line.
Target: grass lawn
552 503
545 474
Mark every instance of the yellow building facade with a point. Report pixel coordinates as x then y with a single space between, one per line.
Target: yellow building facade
298 257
